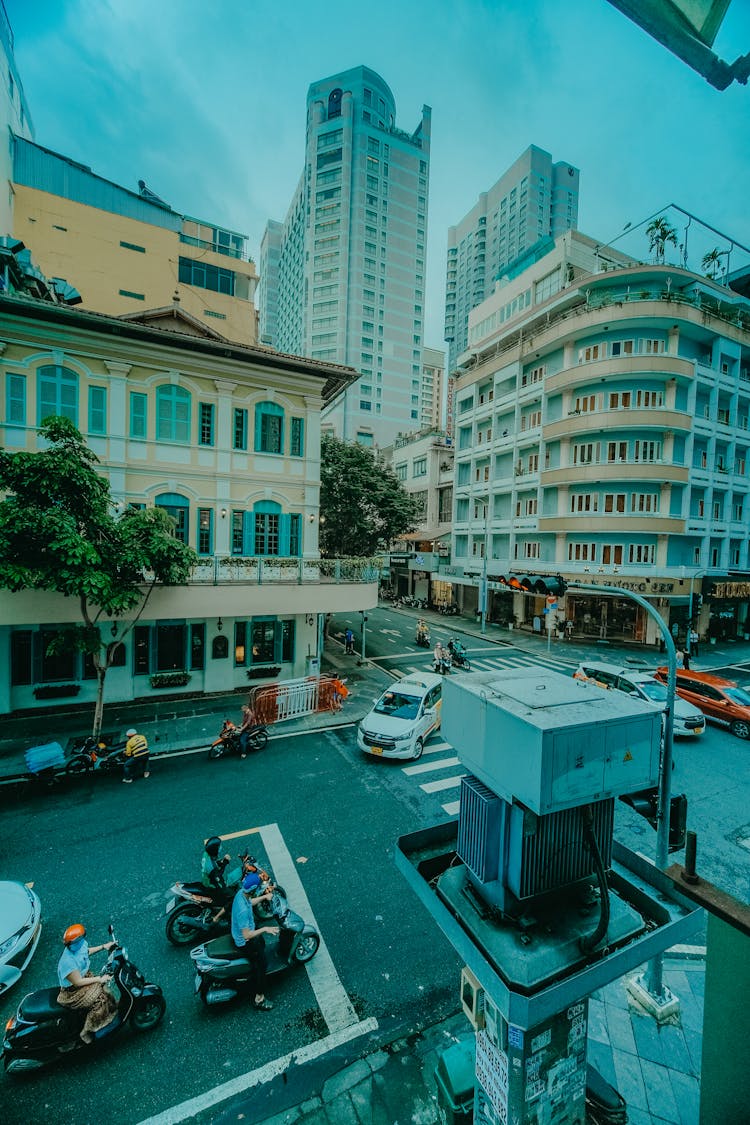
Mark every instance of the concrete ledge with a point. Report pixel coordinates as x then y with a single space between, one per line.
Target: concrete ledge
351 1076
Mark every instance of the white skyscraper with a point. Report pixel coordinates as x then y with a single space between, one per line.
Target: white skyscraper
343 277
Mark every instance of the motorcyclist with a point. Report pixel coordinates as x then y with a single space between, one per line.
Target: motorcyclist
81 990
248 936
212 867
455 648
441 659
422 633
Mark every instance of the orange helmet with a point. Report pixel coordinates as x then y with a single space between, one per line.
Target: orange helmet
73 933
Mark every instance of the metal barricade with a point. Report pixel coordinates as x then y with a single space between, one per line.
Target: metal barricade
292 699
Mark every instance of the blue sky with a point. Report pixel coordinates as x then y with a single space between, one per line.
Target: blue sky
206 103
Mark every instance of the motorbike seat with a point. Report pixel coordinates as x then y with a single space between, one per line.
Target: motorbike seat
216 894
41 1005
222 947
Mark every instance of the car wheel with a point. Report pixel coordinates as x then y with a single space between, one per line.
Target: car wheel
418 748
741 728
147 1015
177 931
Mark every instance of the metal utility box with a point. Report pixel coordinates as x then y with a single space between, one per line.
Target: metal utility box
548 741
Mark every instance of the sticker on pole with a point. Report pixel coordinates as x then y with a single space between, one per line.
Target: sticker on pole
492 1074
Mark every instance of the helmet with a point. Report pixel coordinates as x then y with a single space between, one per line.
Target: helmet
251 881
213 843
73 933
131 732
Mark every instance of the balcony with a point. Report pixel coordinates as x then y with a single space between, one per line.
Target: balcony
601 421
232 569
621 368
215 247
616 471
579 523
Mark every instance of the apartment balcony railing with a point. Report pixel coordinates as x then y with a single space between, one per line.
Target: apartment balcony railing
227 569
216 247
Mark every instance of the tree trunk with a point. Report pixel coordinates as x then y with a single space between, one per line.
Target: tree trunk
101 672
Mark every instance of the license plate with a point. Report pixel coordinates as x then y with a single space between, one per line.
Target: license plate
197 982
171 905
376 749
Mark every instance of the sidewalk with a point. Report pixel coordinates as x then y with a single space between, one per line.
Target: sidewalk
655 1069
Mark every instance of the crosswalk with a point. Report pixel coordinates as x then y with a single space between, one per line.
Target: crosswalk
435 766
488 664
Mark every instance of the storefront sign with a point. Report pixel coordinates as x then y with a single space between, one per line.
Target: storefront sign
730 590
636 587
452 571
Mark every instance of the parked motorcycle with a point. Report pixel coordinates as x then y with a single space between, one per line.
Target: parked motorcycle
449 610
42 1030
193 910
228 741
95 754
222 974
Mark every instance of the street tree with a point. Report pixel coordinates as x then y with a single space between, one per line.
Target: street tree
362 504
59 531
660 232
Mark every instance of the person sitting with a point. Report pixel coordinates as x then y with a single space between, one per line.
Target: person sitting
441 659
455 648
78 988
249 722
213 868
248 937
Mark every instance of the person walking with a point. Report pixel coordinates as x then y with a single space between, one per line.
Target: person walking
349 643
694 638
136 756
340 692
686 660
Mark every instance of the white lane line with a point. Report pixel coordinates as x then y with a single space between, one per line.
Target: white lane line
397 673
335 1006
191 1108
430 767
391 640
452 808
431 747
446 783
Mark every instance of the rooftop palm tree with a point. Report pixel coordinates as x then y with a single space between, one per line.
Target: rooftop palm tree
711 262
659 232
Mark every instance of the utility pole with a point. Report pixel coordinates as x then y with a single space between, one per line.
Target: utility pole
483 591
364 637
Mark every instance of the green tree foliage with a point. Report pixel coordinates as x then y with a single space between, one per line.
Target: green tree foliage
711 263
58 531
660 233
362 504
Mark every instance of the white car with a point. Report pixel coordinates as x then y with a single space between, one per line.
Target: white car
688 720
403 718
20 928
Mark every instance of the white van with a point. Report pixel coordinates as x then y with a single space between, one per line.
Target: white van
687 720
403 718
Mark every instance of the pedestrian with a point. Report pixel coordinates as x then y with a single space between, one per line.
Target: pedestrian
340 692
136 756
569 629
349 642
680 658
694 638
78 988
248 938
686 660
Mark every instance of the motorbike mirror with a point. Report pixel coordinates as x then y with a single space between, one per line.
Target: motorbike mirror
110 929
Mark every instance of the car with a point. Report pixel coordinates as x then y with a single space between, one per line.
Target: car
20 929
688 719
403 718
719 699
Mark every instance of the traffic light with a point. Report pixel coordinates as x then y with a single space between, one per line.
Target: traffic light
646 803
535 583
695 601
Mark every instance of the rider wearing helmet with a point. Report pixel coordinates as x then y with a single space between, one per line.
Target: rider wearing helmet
248 937
79 988
213 868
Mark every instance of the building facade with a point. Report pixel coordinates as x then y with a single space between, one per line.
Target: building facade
603 433
535 200
226 439
345 272
433 375
14 115
126 251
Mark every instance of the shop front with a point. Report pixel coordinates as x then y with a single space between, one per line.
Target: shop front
728 602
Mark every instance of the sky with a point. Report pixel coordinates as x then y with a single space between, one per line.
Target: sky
206 103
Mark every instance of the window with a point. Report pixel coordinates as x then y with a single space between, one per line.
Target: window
15 400
586 454
263 633
57 393
401 472
133 246
614 502
645 502
531 550
197 647
20 657
535 375
589 354
205 276
240 642
269 428
581 552
266 520
287 641
97 410
138 414
133 296
419 467
178 507
141 650
621 347
612 554
170 647
240 428
172 414
641 553
646 399
620 400
648 451
205 531
58 665
205 423
584 502
617 451
295 534
585 404
653 347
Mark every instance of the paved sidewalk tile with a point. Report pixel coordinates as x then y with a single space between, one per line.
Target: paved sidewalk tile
341 1111
597 1028
620 1029
661 1100
601 1058
630 1079
345 1079
647 1041
675 1050
687 1092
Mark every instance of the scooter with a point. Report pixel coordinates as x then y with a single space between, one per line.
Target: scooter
222 974
42 1031
459 659
228 741
449 610
192 911
422 638
95 754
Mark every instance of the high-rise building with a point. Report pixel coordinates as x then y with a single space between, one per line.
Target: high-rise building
433 371
535 200
344 274
14 115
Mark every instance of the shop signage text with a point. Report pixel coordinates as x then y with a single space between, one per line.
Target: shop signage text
730 590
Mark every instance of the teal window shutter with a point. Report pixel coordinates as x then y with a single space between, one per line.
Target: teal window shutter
97 410
57 393
284 529
138 414
15 400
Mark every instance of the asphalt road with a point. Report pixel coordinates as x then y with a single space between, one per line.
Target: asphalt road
104 851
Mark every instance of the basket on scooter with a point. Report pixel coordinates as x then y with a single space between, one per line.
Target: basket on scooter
50 756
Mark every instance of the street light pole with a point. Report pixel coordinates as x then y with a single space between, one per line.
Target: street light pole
483 592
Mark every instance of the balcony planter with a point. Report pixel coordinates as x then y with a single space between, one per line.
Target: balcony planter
169 679
264 673
56 691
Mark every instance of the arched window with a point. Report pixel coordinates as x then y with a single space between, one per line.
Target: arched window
178 507
57 393
172 414
334 104
269 428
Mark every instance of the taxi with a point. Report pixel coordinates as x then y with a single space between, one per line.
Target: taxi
403 718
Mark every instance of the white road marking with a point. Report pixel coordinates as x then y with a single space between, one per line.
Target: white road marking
430 767
452 808
432 747
335 1006
397 673
446 783
186 1110
391 640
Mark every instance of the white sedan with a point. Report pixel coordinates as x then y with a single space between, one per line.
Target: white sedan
20 928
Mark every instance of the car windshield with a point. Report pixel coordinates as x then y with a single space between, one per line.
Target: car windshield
398 705
653 690
738 695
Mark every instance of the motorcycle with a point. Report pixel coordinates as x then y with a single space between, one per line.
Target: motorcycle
422 638
95 754
459 659
449 610
193 910
228 741
43 1030
222 973
442 667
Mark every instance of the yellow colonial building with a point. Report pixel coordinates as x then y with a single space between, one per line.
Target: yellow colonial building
126 251
226 438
